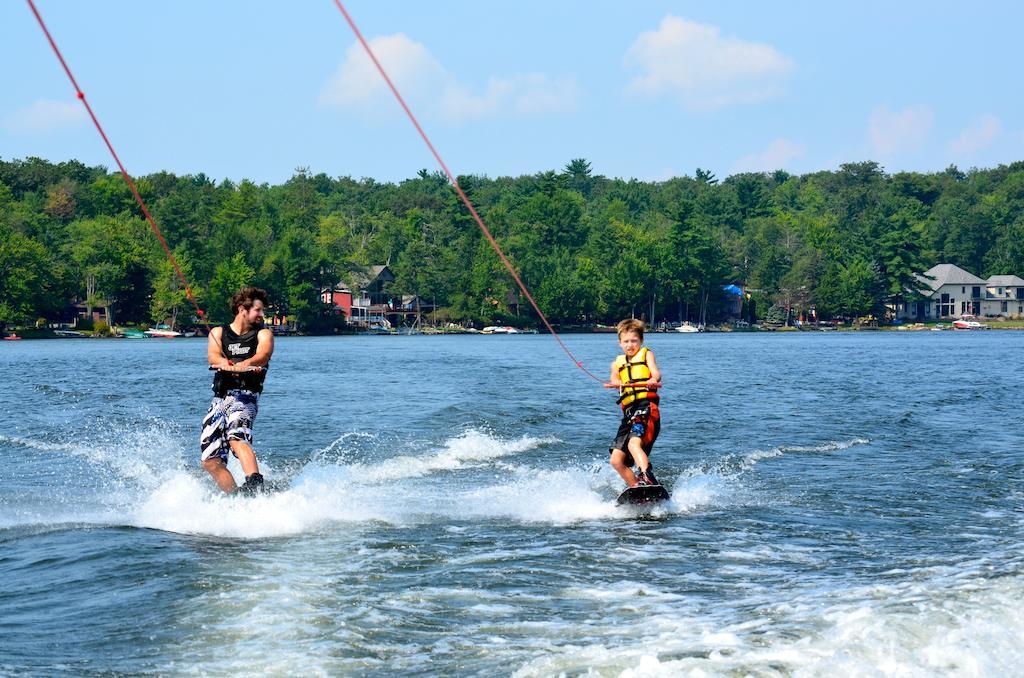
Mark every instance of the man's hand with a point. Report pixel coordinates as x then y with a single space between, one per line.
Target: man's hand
227 366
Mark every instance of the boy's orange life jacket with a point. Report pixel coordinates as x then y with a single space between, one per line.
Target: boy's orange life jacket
634 371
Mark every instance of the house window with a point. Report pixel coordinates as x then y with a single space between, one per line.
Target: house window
1000 291
1020 292
945 306
963 290
976 293
1003 305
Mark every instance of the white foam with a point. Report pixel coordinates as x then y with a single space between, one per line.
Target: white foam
751 458
934 626
560 497
481 476
322 494
468 449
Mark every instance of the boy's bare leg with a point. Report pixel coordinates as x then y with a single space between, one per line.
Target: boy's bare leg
618 462
218 470
246 456
639 455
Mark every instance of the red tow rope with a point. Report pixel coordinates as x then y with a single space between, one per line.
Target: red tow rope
458 189
124 173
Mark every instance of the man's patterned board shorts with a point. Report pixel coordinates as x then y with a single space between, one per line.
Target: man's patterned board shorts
229 418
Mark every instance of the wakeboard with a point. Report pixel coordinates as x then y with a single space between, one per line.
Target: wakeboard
642 494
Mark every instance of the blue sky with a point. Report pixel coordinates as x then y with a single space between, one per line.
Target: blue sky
647 90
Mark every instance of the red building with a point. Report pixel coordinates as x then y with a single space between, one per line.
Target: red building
339 299
366 301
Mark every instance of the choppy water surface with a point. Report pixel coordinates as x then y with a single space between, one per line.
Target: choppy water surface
845 504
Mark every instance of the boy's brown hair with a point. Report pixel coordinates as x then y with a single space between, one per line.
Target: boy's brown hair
631 325
246 297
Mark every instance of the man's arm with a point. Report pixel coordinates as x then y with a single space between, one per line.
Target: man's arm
214 352
264 350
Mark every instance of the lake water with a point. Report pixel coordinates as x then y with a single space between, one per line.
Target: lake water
842 504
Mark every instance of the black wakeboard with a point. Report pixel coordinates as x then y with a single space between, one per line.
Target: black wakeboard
642 494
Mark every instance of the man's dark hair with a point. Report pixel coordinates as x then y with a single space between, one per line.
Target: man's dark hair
246 297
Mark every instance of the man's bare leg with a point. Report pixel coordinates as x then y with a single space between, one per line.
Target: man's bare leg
246 455
218 470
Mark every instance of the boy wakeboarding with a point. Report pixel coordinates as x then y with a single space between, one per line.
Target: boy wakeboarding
635 373
240 353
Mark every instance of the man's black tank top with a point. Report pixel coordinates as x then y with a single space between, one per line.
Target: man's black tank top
237 348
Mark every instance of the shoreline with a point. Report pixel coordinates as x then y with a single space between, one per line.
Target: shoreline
37 335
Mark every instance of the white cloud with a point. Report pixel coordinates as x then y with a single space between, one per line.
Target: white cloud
429 87
357 83
520 95
978 135
45 116
777 155
894 132
703 68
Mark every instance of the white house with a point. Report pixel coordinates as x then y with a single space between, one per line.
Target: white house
947 291
1004 296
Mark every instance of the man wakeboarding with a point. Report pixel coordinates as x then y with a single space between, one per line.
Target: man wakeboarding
240 353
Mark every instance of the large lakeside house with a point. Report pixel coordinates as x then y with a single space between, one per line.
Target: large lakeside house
365 301
948 291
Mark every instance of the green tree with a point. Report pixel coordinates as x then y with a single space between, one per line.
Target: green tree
229 277
1006 257
578 172
170 300
861 289
110 255
25 276
295 274
899 259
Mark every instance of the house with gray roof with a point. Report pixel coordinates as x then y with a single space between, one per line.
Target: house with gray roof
1004 296
364 299
373 281
946 291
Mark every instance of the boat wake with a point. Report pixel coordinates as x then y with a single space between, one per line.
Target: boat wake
474 476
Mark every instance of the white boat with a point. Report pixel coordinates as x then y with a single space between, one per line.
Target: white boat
494 329
968 325
162 334
689 328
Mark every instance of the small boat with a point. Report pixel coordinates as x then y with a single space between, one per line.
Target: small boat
69 334
968 325
162 334
689 328
133 334
12 337
494 329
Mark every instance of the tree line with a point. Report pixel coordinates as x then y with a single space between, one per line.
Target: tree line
589 247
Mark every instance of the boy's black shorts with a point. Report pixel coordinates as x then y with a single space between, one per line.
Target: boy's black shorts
642 420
